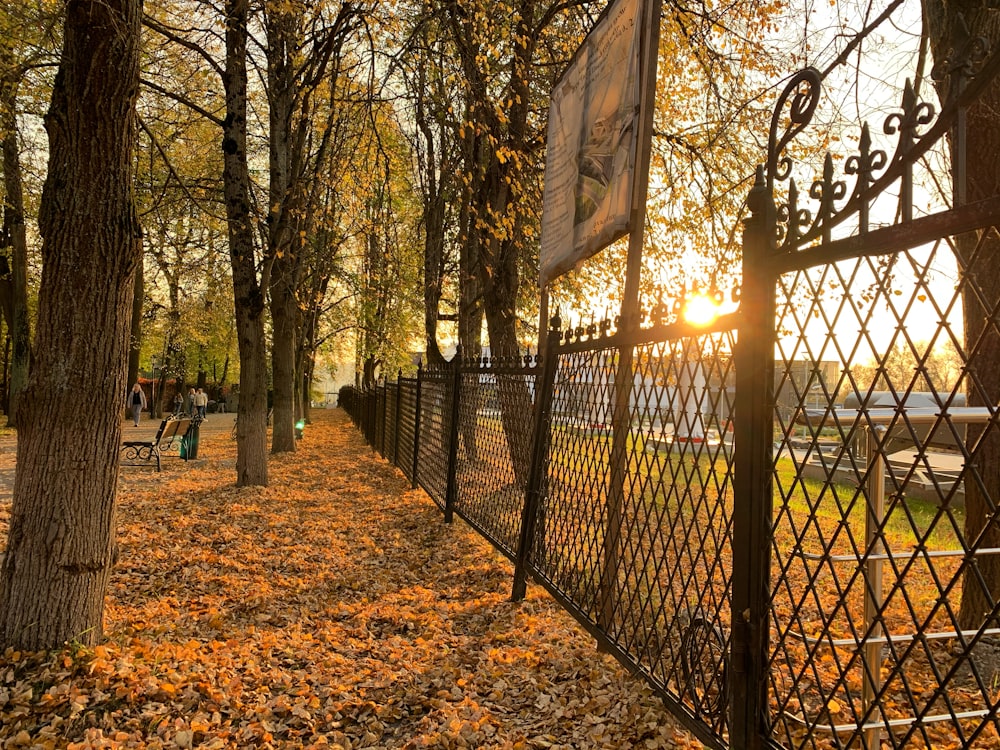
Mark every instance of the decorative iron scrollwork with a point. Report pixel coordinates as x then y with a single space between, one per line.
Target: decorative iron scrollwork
914 114
963 60
705 667
863 166
802 96
792 220
831 201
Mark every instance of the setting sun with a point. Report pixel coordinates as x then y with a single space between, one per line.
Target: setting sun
701 310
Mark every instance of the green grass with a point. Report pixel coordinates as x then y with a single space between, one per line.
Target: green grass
843 502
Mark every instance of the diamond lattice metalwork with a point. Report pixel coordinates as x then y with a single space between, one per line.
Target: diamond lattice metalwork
634 529
496 422
434 441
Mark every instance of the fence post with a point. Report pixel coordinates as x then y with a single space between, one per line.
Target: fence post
380 396
416 427
384 420
360 407
456 392
752 460
395 419
364 412
372 416
539 460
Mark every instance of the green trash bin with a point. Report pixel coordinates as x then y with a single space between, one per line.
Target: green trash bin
189 444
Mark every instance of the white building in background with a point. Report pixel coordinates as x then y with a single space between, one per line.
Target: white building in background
328 379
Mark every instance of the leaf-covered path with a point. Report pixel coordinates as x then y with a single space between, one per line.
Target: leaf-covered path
331 609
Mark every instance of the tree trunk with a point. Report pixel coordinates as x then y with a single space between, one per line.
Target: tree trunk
434 209
284 320
980 296
512 390
305 364
369 368
305 391
308 344
5 369
499 284
160 405
135 328
175 362
61 544
251 430
470 329
281 38
16 239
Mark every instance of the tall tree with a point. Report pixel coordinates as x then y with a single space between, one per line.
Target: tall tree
428 69
135 330
248 289
25 45
304 55
499 96
61 546
387 284
508 56
13 236
250 277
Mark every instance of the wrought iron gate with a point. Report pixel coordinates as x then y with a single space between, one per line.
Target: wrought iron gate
866 592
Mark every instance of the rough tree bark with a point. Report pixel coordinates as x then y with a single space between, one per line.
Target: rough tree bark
309 344
470 309
285 322
434 213
60 548
135 327
251 430
282 46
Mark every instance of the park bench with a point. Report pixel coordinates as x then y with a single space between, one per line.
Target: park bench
172 433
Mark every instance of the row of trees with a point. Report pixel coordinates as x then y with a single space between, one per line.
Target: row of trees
323 111
204 158
312 167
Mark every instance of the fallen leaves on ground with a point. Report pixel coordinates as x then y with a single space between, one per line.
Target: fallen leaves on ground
332 609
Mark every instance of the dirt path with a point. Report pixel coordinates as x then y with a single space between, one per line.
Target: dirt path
333 608
216 425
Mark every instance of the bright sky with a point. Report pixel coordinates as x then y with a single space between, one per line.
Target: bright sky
870 93
867 88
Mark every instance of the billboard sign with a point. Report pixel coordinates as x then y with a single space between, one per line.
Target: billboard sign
592 138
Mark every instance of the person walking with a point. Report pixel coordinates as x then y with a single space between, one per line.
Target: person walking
178 403
201 400
192 403
136 402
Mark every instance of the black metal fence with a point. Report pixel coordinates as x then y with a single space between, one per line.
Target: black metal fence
469 466
630 529
788 522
